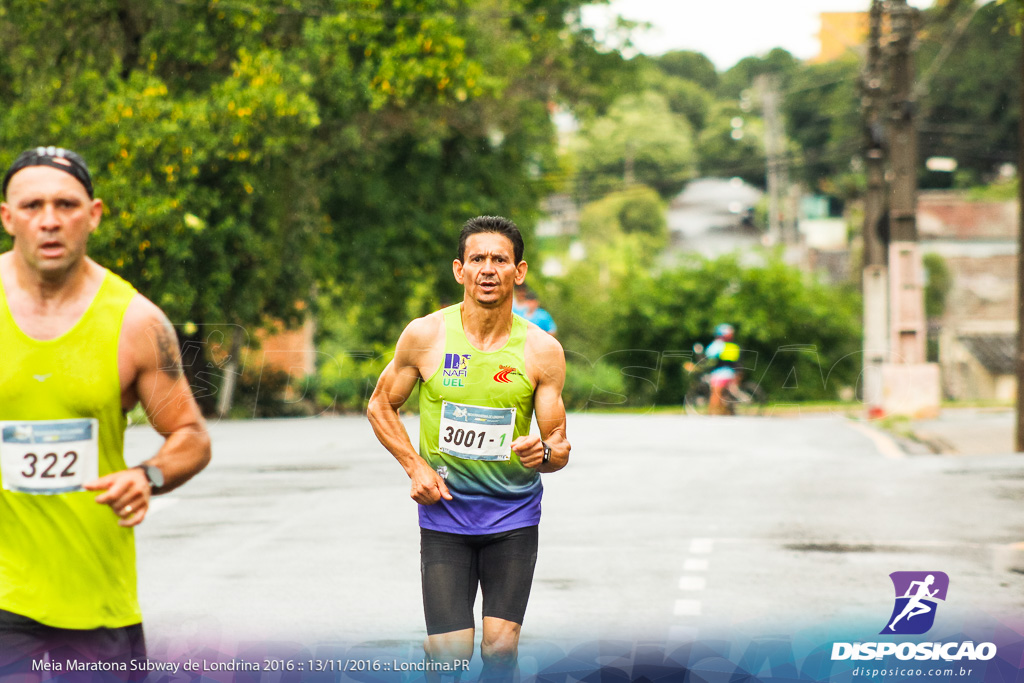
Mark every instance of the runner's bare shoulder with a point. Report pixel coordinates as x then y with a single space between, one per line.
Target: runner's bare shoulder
541 343
148 335
544 355
420 337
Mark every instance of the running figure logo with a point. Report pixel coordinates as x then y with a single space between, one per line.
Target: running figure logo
917 594
504 372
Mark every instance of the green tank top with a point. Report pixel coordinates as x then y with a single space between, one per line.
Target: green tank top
64 560
466 428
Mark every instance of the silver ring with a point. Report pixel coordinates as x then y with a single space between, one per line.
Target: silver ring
128 509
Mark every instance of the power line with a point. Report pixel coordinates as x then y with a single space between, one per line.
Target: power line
362 12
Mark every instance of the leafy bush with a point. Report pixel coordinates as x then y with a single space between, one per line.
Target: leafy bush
636 213
592 386
345 380
274 393
801 340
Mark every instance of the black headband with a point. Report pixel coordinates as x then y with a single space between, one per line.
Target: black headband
48 156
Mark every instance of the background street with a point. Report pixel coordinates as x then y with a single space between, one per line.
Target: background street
662 526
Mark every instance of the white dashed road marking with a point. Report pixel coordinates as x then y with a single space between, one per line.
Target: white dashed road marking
687 608
702 546
691 583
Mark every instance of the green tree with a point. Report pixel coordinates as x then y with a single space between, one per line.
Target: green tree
639 137
684 97
585 302
938 283
201 161
254 154
822 114
428 123
637 211
742 75
690 66
189 115
971 107
727 150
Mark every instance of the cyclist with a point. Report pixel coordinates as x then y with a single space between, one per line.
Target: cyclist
726 355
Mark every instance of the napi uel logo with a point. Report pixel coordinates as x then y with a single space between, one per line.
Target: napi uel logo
456 369
917 597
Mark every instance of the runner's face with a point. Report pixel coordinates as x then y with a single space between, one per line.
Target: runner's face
489 273
51 216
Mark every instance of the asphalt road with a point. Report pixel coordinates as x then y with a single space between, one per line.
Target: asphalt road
663 526
706 217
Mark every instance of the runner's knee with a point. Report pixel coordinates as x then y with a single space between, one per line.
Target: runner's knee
501 656
500 648
448 649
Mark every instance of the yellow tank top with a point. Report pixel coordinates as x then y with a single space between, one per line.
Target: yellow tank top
492 490
64 560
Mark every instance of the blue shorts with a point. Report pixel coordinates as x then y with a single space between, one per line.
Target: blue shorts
719 377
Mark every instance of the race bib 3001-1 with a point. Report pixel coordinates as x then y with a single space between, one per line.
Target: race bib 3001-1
49 456
476 432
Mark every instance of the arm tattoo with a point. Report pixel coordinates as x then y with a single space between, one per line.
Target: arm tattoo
167 348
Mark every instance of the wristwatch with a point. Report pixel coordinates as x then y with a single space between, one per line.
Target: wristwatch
547 452
153 475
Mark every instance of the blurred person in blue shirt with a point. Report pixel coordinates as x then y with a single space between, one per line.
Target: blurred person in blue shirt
519 299
537 315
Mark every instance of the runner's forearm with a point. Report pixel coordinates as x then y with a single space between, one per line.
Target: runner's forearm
387 426
560 448
184 453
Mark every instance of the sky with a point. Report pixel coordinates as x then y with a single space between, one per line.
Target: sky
727 30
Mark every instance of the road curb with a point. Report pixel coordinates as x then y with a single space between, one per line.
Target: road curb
885 444
1009 558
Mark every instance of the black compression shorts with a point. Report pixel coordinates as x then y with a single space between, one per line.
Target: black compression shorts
452 565
24 640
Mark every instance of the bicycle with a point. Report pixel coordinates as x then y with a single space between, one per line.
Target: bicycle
748 398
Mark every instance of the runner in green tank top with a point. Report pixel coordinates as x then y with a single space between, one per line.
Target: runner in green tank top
483 373
80 348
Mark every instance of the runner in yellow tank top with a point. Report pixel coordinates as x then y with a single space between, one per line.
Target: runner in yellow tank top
477 476
80 348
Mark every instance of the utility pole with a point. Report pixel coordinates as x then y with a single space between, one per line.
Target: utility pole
875 281
774 147
1020 270
874 144
907 334
910 384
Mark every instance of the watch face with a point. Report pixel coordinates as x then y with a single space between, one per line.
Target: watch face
154 475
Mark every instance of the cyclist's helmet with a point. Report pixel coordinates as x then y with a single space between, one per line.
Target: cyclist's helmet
724 331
